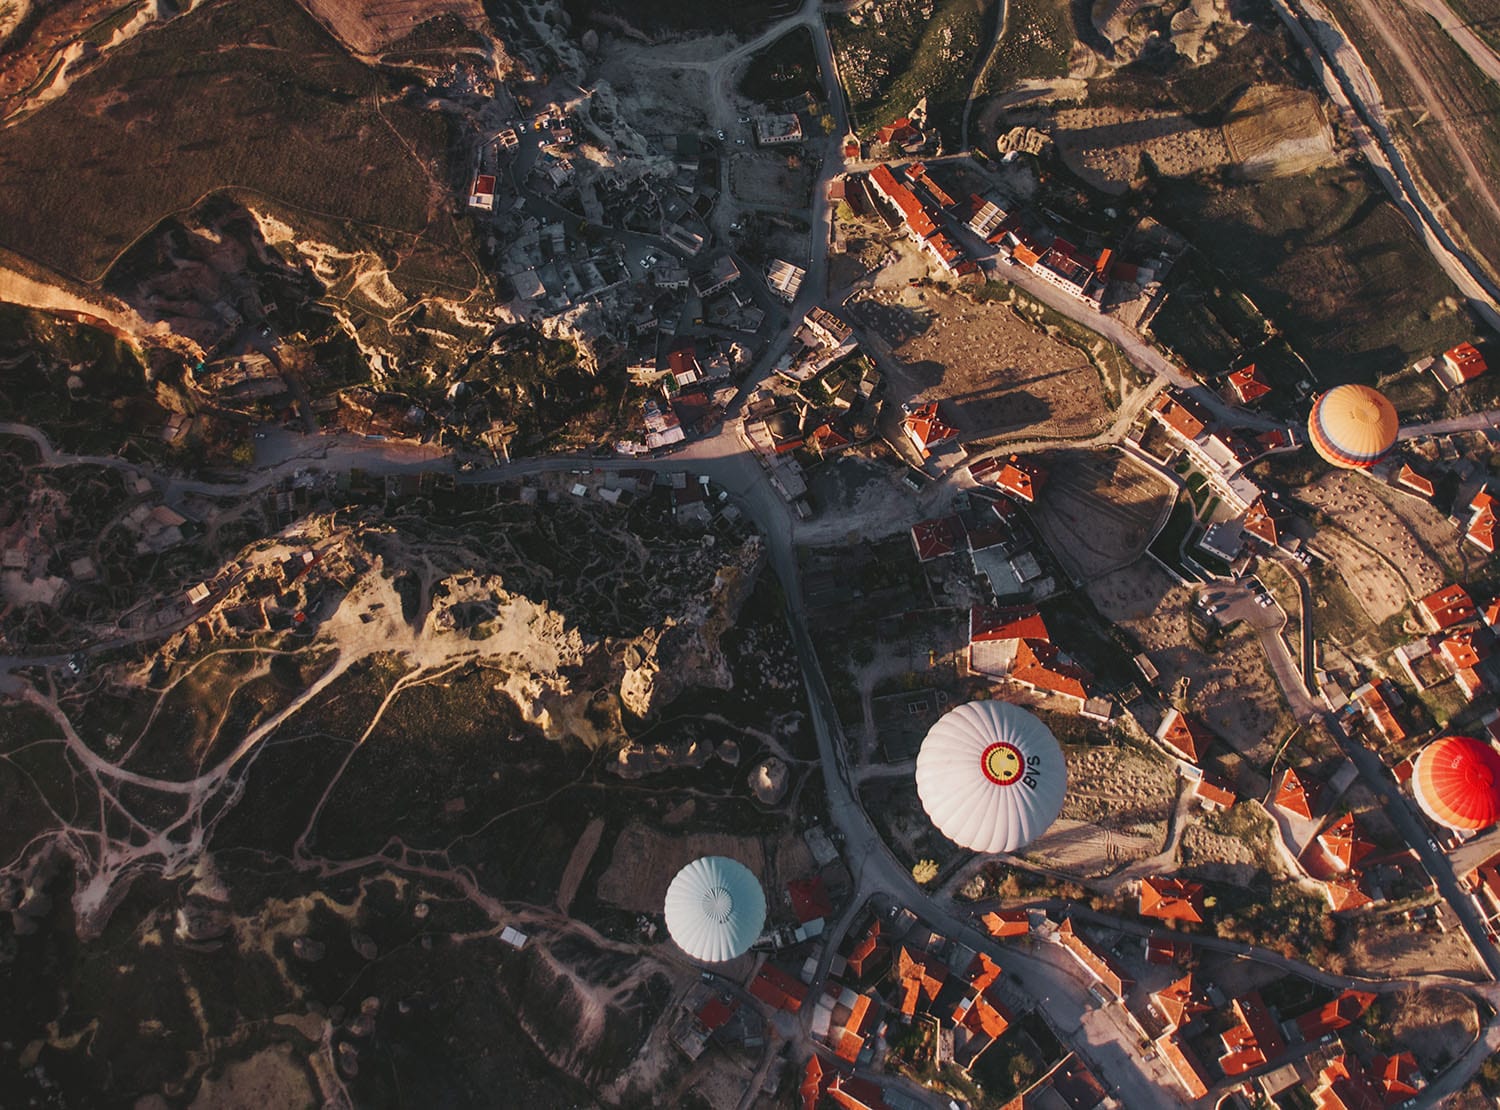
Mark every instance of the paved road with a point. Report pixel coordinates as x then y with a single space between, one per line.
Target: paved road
1474 422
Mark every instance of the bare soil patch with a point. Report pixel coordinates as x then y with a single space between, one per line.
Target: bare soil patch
367 26
644 861
771 179
1391 948
995 372
1407 539
1104 145
1274 130
1431 1024
578 862
1229 687
1099 509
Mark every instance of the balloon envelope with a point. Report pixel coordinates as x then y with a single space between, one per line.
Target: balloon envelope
991 776
1352 426
1456 780
715 908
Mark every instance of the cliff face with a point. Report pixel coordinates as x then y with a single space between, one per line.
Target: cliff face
1194 30
685 650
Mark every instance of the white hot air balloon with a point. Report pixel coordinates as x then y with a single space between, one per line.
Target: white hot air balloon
991 776
715 909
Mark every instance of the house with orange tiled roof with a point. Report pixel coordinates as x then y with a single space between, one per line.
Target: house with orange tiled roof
1184 736
1292 796
867 952
1247 384
1253 1040
1444 608
925 428
919 975
854 1093
1021 478
1042 668
812 1083
778 989
1344 1084
1397 1077
1343 843
983 972
1015 645
1484 881
1371 699
843 1018
1345 894
978 1021
1266 521
1214 793
1180 414
1460 364
1179 1002
1007 923
1104 969
1184 1064
1482 522
1461 654
977 1014
1171 900
1419 484
1164 949
932 539
1340 1013
825 439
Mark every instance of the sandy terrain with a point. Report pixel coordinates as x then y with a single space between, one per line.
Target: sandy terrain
1087 851
1099 510
643 862
994 372
1278 132
1121 789
272 1077
1213 855
1231 690
367 26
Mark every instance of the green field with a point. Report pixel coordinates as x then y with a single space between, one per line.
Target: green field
888 67
251 97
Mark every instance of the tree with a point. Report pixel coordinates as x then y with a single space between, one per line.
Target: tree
924 871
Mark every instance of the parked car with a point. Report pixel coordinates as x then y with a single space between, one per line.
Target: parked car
721 133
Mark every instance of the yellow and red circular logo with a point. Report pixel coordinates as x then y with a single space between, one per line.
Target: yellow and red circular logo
1002 763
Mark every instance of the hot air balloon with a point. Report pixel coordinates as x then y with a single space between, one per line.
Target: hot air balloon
1456 780
991 776
715 909
1351 426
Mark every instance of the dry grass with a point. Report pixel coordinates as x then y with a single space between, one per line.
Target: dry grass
995 372
1229 688
1099 510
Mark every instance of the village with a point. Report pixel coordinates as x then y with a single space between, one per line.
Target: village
895 433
